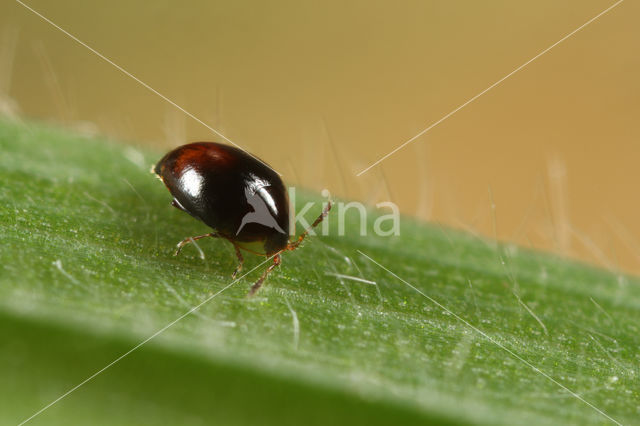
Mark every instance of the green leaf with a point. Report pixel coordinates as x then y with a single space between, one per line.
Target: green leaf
87 237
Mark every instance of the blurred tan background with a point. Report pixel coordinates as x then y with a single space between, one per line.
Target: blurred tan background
321 90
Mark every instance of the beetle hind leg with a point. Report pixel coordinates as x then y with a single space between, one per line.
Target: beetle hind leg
193 239
255 287
325 212
240 262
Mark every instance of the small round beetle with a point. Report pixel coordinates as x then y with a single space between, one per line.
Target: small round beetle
236 194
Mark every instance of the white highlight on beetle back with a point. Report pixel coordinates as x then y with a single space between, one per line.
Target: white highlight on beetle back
264 206
191 181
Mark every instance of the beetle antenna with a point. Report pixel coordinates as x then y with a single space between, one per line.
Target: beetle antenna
294 245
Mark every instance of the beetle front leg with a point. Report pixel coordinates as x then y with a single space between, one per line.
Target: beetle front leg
192 239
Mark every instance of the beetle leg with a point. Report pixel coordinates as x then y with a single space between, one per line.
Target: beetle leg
294 245
192 239
240 262
258 284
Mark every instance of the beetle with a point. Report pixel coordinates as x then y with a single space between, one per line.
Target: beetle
235 193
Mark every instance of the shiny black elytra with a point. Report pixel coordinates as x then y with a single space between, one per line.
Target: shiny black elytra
239 196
